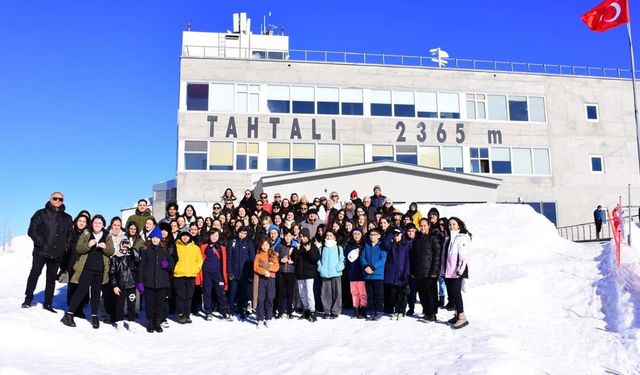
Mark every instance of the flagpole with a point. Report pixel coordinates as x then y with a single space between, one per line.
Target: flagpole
633 82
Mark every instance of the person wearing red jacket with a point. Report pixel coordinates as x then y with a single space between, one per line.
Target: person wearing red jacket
213 276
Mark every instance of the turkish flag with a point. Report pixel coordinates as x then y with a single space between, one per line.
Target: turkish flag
607 15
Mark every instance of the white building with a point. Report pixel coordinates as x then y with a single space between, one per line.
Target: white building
252 113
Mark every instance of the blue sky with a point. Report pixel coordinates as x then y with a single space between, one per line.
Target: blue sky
89 89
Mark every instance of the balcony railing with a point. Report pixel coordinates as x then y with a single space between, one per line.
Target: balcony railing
587 231
362 58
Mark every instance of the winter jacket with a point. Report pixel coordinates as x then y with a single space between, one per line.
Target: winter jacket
283 251
122 269
425 255
313 227
355 268
306 262
264 263
331 261
213 262
377 202
397 265
117 238
415 217
51 231
457 257
189 259
249 204
135 243
150 271
375 257
139 218
90 257
72 256
240 256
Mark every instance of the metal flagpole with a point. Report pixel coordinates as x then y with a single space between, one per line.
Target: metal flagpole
633 82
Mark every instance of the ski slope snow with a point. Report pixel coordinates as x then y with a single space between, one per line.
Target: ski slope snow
537 304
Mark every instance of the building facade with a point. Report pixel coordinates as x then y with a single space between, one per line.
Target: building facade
249 110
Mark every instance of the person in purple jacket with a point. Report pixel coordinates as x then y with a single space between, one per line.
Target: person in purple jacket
396 274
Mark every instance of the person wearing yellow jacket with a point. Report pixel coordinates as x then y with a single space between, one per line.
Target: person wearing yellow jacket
188 264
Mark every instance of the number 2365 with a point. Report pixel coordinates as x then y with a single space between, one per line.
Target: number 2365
421 136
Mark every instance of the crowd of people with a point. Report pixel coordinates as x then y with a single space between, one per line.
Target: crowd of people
253 259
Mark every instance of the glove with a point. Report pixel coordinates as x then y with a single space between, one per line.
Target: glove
164 264
140 287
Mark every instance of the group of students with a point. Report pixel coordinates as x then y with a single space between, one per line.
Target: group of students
263 260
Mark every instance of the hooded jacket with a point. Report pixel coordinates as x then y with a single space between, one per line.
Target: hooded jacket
240 256
397 264
189 259
52 232
150 271
331 261
375 257
122 269
457 257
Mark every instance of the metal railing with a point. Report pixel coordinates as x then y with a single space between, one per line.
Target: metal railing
587 231
362 58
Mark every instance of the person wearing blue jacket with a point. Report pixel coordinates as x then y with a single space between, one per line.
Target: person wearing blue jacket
330 267
372 261
241 253
396 274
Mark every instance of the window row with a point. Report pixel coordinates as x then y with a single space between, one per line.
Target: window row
284 156
245 98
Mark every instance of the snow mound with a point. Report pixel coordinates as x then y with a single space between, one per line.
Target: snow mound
536 304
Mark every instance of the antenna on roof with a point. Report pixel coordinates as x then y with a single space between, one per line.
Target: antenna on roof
263 29
440 56
189 26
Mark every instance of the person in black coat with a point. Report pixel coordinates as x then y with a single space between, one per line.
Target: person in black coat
122 279
80 224
306 257
51 230
425 268
241 252
248 201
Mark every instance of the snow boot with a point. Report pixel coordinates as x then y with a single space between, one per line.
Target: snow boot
356 312
305 315
158 326
462 322
95 322
312 317
187 319
67 320
151 327
26 304
410 312
265 324
49 308
181 319
209 317
362 313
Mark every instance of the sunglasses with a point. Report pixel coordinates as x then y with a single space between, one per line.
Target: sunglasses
58 199
258 204
277 196
216 208
334 196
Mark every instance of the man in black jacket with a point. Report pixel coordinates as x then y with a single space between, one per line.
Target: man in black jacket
425 268
51 230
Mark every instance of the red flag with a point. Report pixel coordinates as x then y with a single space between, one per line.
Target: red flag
607 15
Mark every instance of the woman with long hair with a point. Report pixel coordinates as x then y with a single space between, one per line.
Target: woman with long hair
455 267
265 266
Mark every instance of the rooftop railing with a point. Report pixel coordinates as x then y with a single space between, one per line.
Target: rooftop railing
362 58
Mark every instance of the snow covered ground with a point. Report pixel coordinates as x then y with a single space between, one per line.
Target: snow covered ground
536 303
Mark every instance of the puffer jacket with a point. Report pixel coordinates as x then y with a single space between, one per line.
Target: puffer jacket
373 256
397 264
85 251
306 262
122 269
189 259
331 261
457 257
150 271
425 255
51 231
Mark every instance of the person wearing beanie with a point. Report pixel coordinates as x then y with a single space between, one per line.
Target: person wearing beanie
122 270
357 202
306 256
311 222
396 274
186 269
240 255
434 228
414 213
377 199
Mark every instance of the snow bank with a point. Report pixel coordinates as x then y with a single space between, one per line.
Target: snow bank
536 303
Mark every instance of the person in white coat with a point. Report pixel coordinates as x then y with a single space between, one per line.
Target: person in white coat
456 267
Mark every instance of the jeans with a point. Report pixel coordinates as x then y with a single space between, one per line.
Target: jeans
307 297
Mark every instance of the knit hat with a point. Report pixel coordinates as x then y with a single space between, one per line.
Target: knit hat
354 194
377 187
184 232
357 229
434 210
304 232
273 227
156 233
397 231
165 226
312 210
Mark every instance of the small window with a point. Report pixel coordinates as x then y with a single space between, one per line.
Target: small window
479 159
195 155
407 154
429 156
328 156
497 107
592 112
597 164
518 110
304 156
380 102
500 160
452 159
220 156
427 104
247 155
381 152
197 97
351 102
448 105
328 99
278 99
403 104
352 154
303 100
278 157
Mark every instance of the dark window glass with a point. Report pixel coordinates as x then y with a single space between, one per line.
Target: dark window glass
278 106
253 162
596 164
473 151
328 108
378 109
592 112
484 152
549 211
407 158
404 110
197 97
278 164
304 164
378 158
518 110
303 107
354 109
427 114
195 161
241 162
536 206
501 167
276 55
453 169
221 167
449 115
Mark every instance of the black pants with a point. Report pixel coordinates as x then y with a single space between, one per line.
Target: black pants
71 289
183 287
108 301
388 306
266 294
398 294
375 295
155 300
196 301
428 292
598 228
286 284
88 280
37 265
411 298
128 297
347 301
169 301
213 290
238 293
454 290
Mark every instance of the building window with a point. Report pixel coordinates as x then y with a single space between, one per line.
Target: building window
195 155
476 106
220 156
407 154
448 105
521 160
497 107
380 102
304 156
197 97
548 209
591 110
479 159
427 104
381 152
536 109
328 156
452 159
351 102
500 160
302 100
597 164
248 98
403 104
222 97
352 154
541 163
518 108
328 99
247 155
429 156
278 99
278 157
